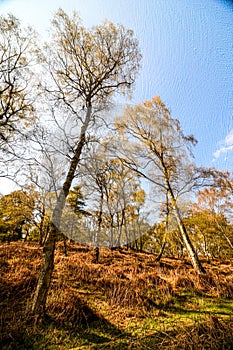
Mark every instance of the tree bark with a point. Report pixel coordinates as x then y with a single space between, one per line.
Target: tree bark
97 236
40 297
225 236
39 300
41 227
184 234
161 251
166 230
188 244
228 240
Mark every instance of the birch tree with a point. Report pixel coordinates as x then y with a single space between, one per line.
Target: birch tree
87 67
163 150
18 57
212 215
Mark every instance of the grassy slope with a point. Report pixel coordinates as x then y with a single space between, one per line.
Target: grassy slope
127 301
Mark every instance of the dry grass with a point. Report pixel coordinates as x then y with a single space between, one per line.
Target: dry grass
124 287
212 334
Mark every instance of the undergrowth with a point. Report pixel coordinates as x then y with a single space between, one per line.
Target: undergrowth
127 301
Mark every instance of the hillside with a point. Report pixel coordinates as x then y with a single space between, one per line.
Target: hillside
127 301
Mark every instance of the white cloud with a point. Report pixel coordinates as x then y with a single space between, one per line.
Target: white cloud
226 146
229 138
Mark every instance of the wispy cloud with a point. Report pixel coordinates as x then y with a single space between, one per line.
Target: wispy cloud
226 146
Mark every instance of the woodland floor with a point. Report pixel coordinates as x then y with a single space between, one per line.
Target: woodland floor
127 301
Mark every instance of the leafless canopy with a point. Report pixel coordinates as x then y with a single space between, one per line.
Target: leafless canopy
89 65
18 53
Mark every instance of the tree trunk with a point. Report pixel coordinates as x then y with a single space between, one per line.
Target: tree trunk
188 244
140 244
111 231
135 240
166 230
228 240
41 227
128 244
184 234
39 300
26 235
161 251
65 245
100 218
225 236
96 254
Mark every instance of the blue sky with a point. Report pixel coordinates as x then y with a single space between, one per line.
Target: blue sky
187 59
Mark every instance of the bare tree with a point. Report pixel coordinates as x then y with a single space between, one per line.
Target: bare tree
18 57
87 67
115 192
163 150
